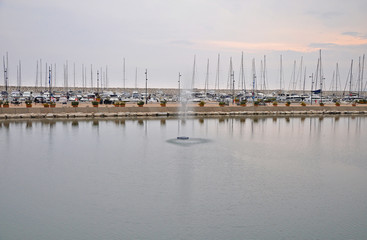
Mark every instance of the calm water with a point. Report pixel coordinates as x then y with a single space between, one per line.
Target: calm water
244 178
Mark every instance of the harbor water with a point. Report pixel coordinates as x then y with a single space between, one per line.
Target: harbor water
233 178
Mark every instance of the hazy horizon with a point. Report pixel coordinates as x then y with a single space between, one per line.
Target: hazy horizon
164 36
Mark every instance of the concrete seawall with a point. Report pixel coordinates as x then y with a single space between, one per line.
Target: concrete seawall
157 111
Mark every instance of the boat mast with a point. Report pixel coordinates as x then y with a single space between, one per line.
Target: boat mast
217 75
351 78
242 76
337 77
280 74
265 73
206 87
321 78
253 79
36 76
124 75
41 73
54 75
261 75
74 75
136 79
91 77
229 82
193 73
304 80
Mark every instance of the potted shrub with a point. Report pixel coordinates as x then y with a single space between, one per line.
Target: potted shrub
1 103
122 104
201 103
6 104
236 100
354 104
337 104
74 103
116 104
288 103
303 104
28 103
256 103
52 104
140 103
275 103
163 103
243 103
95 103
322 104
46 105
222 104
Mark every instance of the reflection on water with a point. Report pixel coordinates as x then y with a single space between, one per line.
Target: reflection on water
235 178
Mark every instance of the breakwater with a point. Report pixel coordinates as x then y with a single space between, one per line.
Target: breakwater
156 111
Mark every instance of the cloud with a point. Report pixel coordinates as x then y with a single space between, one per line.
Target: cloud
261 46
182 42
322 45
353 34
325 15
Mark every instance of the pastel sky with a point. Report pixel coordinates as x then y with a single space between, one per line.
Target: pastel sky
163 36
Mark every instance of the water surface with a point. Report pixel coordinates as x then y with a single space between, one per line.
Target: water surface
250 178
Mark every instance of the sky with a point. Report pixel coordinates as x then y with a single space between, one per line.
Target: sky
164 36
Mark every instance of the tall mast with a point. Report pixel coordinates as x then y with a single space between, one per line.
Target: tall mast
337 77
136 78
242 76
300 72
281 73
359 77
265 73
91 77
74 75
106 77
54 75
124 79
207 78
83 84
304 80
37 76
351 78
362 74
253 78
41 73
321 78
193 73
261 75
217 75
229 82
46 76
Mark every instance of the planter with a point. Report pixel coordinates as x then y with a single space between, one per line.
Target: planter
353 104
46 105
243 105
75 106
287 104
140 105
122 105
6 106
95 105
116 105
28 105
163 105
53 106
